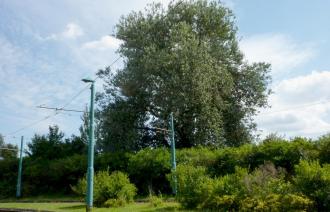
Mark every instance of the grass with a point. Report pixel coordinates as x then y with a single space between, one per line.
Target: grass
76 207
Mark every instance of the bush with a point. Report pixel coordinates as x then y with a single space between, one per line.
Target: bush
282 153
8 177
192 184
199 156
276 202
314 181
323 146
109 190
262 190
148 168
198 190
229 158
155 201
115 203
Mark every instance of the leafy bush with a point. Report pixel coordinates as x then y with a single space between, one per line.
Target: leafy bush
229 158
148 168
115 203
109 190
323 146
276 202
314 181
155 201
262 190
282 153
112 161
192 184
199 156
8 177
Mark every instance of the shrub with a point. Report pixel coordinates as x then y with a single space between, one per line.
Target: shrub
229 158
148 168
199 156
323 146
314 181
114 202
262 190
197 190
155 201
193 185
8 177
109 190
276 202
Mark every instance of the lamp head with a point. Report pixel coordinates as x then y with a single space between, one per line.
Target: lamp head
87 80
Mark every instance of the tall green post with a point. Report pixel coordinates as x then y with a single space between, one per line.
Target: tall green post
90 168
19 177
173 160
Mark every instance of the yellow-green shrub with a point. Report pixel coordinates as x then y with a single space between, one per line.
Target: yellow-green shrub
109 190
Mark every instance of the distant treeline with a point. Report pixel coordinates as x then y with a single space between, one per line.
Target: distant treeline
298 161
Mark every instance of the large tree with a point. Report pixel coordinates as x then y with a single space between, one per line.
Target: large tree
184 59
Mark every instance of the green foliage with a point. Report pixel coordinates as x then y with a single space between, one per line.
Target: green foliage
323 146
246 178
276 202
198 156
148 169
228 158
43 176
184 59
155 201
7 151
192 184
119 202
265 189
109 190
54 146
314 181
280 152
8 176
112 161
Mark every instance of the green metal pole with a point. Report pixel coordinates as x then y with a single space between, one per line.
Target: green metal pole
19 177
90 169
173 160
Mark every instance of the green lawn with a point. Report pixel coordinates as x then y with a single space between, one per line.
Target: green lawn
145 207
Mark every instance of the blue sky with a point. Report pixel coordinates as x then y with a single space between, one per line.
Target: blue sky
47 47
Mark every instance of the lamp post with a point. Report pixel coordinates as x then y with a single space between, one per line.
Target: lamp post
19 176
90 168
173 160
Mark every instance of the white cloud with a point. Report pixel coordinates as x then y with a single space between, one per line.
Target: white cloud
11 57
106 42
278 49
300 106
72 31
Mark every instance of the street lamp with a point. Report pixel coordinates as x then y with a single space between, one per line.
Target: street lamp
90 168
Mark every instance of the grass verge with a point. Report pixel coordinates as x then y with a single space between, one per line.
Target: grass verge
75 207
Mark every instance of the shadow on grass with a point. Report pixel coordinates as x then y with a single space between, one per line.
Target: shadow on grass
74 207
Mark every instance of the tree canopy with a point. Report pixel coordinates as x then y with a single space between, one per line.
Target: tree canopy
183 59
54 145
7 151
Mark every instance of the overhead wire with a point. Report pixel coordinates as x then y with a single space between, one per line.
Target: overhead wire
70 100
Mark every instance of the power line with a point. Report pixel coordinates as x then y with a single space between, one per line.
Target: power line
31 124
74 97
58 110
